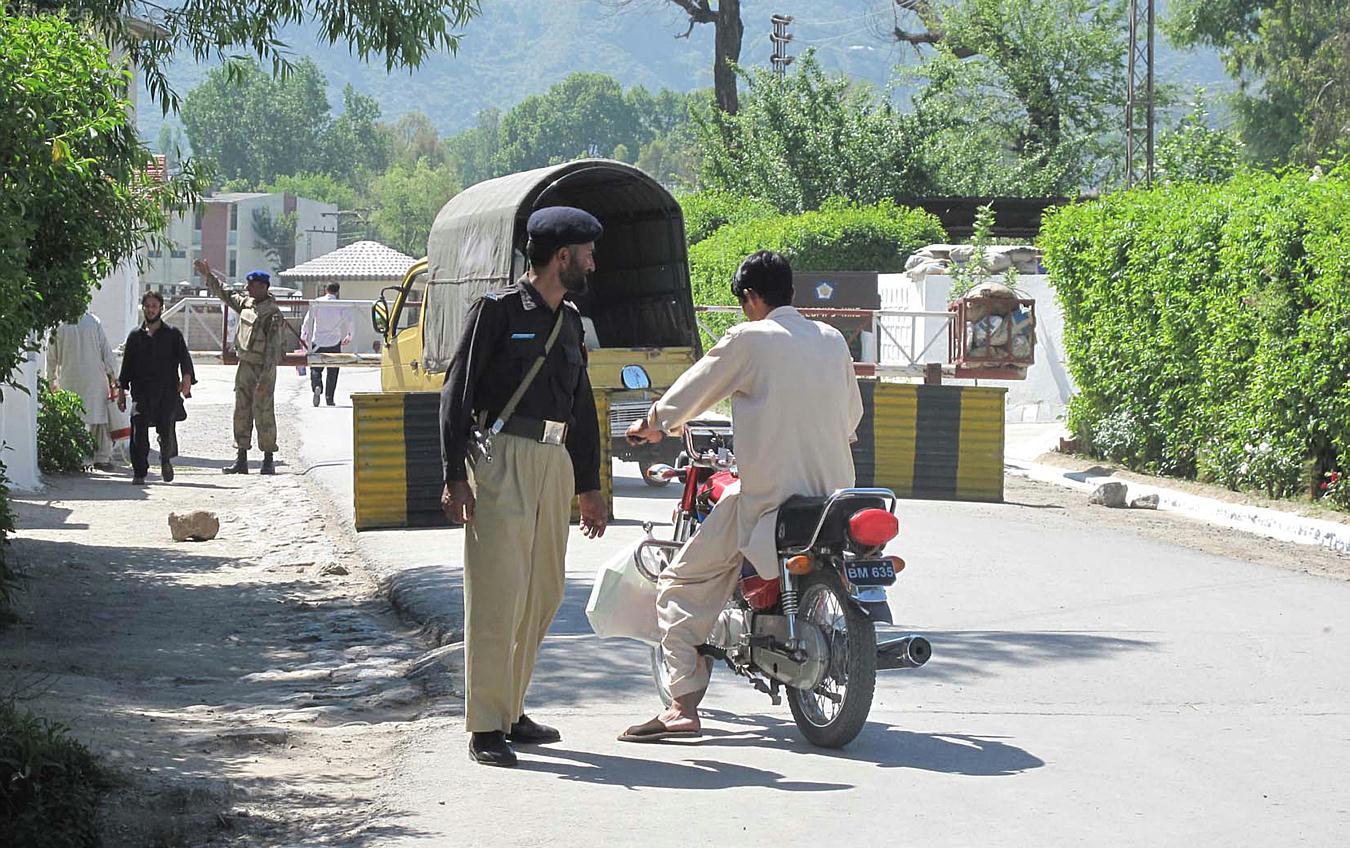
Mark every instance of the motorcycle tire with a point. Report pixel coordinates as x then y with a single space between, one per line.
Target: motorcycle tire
824 602
644 467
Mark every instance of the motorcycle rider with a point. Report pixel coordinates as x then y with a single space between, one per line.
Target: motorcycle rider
795 407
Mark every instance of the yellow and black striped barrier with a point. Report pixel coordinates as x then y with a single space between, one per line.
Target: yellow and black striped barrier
397 475
935 442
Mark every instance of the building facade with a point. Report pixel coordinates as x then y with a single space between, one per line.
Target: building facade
225 230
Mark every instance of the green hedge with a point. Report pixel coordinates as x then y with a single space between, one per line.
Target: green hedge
1208 328
705 212
838 237
9 572
64 442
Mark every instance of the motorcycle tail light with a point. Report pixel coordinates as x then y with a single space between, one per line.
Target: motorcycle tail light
898 563
799 565
872 528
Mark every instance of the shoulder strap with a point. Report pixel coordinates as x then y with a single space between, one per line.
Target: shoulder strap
524 386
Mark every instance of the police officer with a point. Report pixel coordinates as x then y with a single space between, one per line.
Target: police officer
258 342
511 471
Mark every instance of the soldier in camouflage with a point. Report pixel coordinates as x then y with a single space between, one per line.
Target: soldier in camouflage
258 342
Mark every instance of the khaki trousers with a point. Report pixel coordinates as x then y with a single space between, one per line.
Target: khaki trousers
514 554
255 407
691 593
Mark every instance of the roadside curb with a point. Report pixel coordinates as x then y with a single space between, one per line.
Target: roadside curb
409 598
1261 521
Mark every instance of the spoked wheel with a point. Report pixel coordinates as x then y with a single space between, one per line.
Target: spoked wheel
833 713
660 676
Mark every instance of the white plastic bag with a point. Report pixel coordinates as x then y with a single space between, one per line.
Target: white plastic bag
119 421
623 602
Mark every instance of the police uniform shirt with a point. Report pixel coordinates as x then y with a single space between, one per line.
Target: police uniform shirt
504 333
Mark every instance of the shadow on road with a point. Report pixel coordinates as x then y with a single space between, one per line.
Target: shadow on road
882 745
963 654
638 771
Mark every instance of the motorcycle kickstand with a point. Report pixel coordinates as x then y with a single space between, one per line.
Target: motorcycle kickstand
769 688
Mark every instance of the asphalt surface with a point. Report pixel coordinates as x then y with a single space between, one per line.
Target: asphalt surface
1089 685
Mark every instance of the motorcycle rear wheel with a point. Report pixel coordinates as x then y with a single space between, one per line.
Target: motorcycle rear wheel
852 673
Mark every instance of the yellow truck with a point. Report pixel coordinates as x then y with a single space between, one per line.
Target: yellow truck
638 313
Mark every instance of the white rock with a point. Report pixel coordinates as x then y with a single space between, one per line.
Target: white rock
1110 494
1145 502
197 526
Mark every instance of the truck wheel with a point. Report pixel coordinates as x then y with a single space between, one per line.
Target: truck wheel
655 484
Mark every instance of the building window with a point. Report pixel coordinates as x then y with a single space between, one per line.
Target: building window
234 265
154 253
234 216
197 220
178 253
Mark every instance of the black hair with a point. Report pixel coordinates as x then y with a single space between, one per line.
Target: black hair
540 251
333 288
768 274
153 294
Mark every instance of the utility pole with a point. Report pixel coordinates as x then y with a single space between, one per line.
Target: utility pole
780 38
1139 96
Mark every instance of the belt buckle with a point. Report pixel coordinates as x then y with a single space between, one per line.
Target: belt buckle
555 432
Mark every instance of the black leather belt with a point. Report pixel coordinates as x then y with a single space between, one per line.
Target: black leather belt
536 430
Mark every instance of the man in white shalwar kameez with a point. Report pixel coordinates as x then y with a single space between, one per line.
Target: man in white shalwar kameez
795 407
81 360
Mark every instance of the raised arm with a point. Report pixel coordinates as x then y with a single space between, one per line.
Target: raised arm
216 285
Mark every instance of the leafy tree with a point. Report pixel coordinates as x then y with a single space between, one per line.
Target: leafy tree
1292 61
75 200
353 140
275 237
807 137
324 188
474 151
404 32
1195 152
728 32
706 212
1028 92
406 200
583 115
413 137
253 126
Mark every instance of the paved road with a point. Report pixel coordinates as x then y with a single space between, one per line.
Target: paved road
1089 685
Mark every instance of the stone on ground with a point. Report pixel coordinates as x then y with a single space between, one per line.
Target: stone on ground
197 526
1145 502
1109 494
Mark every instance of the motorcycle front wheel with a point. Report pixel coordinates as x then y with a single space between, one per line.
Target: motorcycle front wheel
833 713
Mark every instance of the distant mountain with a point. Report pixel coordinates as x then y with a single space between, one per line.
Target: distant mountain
520 47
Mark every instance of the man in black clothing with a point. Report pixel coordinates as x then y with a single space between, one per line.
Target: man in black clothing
152 359
515 497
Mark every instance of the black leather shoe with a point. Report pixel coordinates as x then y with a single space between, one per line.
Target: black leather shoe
240 464
166 471
490 749
267 466
527 731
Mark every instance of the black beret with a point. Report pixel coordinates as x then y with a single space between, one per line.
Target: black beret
563 225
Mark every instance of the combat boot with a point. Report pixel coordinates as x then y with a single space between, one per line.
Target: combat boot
267 467
240 464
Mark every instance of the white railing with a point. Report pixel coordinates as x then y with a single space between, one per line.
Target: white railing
897 332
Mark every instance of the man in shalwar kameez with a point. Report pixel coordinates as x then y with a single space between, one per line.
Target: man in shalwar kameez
81 360
795 407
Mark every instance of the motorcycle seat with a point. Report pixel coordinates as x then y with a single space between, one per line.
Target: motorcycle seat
799 515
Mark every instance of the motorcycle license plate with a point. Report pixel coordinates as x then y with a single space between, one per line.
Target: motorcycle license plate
870 572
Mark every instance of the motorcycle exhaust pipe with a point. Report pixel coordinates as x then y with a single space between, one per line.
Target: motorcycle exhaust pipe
910 651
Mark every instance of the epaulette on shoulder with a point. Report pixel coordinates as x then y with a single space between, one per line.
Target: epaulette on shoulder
498 294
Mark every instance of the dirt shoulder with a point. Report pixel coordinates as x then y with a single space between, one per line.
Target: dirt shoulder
1044 500
246 690
1076 462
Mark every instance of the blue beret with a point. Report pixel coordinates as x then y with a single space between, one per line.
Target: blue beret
563 225
259 275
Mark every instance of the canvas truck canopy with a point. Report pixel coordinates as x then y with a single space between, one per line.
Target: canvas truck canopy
639 295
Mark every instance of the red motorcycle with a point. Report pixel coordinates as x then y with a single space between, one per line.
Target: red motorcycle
812 630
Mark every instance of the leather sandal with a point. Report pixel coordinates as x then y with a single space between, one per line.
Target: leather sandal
656 731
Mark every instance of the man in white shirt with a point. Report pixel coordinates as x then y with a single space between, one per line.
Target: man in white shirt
795 408
326 329
81 360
